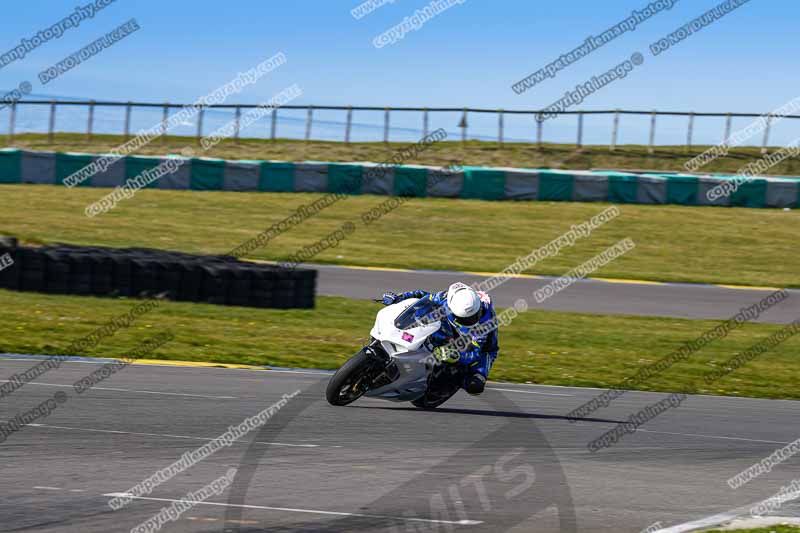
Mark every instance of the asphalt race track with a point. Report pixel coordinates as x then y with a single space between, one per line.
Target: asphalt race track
508 461
678 300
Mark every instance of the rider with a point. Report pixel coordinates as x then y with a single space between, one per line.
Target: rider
464 309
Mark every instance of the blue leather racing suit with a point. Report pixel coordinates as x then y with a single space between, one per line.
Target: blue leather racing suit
482 348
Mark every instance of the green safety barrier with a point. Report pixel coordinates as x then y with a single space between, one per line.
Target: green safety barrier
750 194
622 188
70 163
207 174
10 166
136 165
483 184
276 176
555 186
345 179
682 190
409 181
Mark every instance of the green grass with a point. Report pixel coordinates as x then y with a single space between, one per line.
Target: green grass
673 243
539 346
564 156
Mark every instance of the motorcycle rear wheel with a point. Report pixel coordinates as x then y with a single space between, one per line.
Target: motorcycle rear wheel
441 388
429 402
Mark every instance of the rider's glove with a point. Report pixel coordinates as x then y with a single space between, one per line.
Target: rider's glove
446 354
389 298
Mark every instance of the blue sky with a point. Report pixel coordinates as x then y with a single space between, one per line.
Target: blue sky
467 56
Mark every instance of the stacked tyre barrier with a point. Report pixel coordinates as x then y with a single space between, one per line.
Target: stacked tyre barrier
145 272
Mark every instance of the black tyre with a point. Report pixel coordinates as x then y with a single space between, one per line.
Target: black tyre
349 383
432 401
442 386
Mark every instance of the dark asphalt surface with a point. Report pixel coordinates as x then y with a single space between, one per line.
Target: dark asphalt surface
678 300
505 460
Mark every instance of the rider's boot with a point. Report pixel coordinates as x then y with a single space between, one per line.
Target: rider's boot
475 384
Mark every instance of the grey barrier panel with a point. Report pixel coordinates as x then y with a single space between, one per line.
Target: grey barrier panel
589 187
311 177
38 167
180 179
782 194
113 176
651 190
521 185
241 176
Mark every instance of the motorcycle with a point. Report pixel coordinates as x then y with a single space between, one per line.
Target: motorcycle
398 363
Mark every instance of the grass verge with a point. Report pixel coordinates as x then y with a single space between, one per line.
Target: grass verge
479 153
539 346
673 243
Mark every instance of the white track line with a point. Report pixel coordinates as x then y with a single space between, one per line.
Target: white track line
47 426
293 510
48 488
715 520
311 372
530 392
323 373
131 390
711 436
166 435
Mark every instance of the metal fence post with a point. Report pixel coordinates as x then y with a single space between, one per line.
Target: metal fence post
52 124
12 119
500 127
463 126
652 132
690 131
386 125
348 125
539 124
766 135
200 116
237 123
727 136
614 131
90 125
273 125
127 121
164 124
425 122
579 143
309 119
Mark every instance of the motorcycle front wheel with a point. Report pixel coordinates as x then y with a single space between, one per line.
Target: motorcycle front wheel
350 382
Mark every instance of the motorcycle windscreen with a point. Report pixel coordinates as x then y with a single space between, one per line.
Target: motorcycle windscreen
421 313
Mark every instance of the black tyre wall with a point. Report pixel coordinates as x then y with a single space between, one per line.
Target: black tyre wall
145 272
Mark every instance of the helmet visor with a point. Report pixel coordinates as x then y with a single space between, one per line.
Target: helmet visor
470 320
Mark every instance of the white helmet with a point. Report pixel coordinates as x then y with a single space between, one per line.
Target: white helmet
464 303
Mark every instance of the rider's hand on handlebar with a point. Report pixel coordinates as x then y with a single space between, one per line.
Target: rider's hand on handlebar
446 354
389 298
